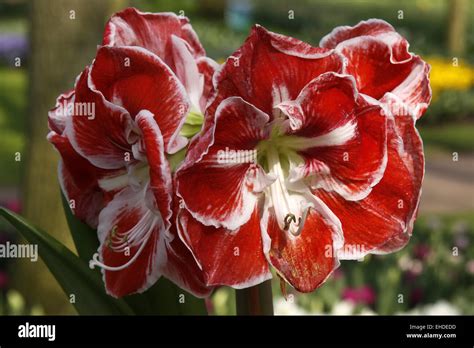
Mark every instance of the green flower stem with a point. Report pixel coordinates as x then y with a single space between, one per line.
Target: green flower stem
256 300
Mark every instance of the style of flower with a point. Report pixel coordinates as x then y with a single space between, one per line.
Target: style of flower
339 161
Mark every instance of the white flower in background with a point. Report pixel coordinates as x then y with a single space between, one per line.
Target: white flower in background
367 311
343 308
442 307
284 307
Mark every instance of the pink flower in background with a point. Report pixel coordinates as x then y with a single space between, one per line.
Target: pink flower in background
364 295
14 205
422 251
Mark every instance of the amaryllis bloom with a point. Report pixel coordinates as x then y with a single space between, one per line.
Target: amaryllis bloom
308 155
117 131
172 38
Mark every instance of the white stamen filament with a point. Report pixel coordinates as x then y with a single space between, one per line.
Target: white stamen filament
287 210
139 235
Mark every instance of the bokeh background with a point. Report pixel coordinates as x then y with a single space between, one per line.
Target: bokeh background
42 49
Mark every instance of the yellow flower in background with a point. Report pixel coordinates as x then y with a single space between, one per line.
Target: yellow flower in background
450 74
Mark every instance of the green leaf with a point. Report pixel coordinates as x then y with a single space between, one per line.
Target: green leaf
72 273
84 237
165 298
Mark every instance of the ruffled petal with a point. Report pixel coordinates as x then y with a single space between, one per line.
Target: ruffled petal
307 260
230 258
182 269
377 56
135 80
132 244
270 68
152 31
160 182
134 226
383 221
57 116
97 128
369 61
373 28
207 67
79 181
341 137
220 186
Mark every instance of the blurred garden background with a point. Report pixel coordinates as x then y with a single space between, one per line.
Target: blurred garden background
42 49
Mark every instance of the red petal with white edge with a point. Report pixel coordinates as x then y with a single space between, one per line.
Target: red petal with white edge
414 92
375 28
369 61
378 57
132 246
97 128
307 260
383 221
270 68
78 180
160 173
220 187
136 80
342 138
230 258
186 70
57 116
182 268
207 67
152 31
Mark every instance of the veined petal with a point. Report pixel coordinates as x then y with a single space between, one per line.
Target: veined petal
159 170
369 61
377 56
97 128
230 258
383 221
217 187
270 68
340 136
182 269
305 261
373 28
151 31
207 67
132 243
135 80
79 181
187 71
414 92
57 116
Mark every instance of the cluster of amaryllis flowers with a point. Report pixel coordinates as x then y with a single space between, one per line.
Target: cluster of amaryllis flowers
336 171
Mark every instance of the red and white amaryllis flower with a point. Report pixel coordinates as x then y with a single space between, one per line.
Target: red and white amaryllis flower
172 38
338 166
115 160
